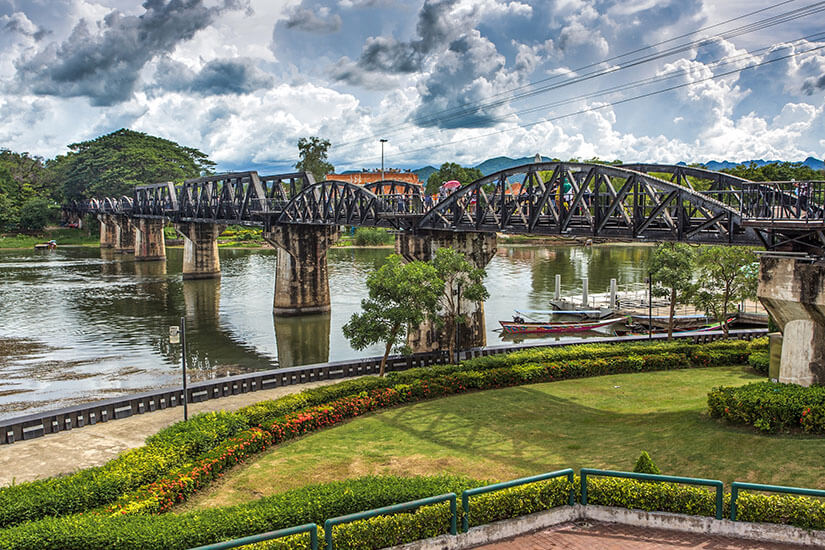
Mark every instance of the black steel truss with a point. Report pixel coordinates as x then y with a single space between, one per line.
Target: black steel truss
638 201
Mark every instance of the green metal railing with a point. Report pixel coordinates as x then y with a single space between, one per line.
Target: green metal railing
465 496
310 528
736 486
654 477
451 497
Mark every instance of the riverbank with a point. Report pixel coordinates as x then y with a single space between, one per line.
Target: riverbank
63 236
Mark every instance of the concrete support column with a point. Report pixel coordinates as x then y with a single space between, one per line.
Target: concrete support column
200 250
108 231
479 249
125 235
150 242
793 292
301 276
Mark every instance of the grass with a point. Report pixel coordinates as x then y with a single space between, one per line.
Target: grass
603 422
63 236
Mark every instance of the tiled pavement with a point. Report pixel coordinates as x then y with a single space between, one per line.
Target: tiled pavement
613 536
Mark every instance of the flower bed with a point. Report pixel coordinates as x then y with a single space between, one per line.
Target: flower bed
183 458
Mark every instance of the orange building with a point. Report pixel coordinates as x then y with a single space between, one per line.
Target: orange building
362 178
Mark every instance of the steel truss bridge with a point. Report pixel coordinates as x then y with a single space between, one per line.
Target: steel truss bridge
646 202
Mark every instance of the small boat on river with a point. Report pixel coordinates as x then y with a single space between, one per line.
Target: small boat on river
530 327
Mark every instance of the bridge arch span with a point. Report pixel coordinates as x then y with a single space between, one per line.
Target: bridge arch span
587 200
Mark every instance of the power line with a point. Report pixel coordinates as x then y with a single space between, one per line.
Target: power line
469 108
614 103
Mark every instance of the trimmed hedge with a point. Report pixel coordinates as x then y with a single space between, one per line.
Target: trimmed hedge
311 504
651 496
760 361
93 487
771 407
189 455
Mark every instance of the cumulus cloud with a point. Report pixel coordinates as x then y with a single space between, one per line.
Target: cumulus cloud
305 19
102 60
217 77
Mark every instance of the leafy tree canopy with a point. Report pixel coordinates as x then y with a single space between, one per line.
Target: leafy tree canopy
313 153
401 295
113 164
776 171
728 275
462 281
451 171
671 270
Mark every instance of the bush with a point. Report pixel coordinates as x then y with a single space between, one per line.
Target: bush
372 236
645 465
771 407
651 496
760 361
311 504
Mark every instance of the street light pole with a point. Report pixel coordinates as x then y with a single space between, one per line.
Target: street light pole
649 305
383 141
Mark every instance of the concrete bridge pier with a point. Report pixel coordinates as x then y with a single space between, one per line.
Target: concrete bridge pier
200 250
479 249
108 231
125 240
301 276
150 243
793 292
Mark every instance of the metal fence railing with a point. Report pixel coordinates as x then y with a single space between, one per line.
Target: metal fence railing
718 485
310 528
569 473
737 486
412 505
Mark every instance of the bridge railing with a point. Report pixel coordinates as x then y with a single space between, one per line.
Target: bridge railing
784 201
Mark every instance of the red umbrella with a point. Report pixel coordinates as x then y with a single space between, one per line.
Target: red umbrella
452 184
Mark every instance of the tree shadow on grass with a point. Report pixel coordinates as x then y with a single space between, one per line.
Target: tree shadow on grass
527 431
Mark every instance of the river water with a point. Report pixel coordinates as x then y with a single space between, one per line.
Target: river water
79 324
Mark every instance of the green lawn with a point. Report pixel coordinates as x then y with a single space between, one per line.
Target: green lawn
602 422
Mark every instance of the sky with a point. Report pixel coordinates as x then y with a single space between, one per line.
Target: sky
440 80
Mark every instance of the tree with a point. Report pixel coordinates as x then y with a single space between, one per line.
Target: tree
401 295
461 281
775 171
112 165
728 275
34 215
313 153
451 171
671 268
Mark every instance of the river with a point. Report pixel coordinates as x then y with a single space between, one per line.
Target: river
79 324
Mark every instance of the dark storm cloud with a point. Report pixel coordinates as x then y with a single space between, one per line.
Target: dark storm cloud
218 77
387 55
104 66
811 85
305 19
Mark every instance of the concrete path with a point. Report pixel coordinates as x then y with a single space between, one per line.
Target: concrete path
613 536
66 452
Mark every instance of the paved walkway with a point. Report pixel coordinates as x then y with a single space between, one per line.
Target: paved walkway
66 452
613 536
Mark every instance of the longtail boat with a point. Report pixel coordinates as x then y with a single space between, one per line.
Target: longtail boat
528 327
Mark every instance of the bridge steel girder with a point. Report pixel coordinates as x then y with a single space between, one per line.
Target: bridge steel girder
643 206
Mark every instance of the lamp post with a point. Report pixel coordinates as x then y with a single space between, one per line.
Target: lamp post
649 305
383 141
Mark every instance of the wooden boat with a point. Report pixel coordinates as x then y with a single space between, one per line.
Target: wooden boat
708 328
528 327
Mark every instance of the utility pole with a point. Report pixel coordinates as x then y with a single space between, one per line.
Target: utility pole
383 141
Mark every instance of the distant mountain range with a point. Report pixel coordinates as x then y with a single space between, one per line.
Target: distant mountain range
497 164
